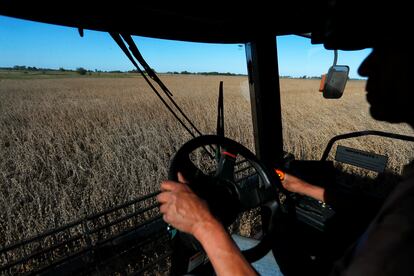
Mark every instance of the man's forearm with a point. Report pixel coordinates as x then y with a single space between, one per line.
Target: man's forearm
313 191
223 253
297 185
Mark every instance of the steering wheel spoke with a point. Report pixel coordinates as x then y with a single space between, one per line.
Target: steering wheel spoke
225 166
250 196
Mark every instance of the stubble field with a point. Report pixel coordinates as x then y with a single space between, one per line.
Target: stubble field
72 147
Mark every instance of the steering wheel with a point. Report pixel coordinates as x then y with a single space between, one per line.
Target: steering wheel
225 194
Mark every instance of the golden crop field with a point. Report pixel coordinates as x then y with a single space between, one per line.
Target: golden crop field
74 146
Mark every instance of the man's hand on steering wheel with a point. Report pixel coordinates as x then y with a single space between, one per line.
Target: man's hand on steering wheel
182 208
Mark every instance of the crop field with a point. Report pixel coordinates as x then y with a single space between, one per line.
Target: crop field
74 146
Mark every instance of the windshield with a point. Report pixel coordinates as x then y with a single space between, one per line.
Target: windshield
81 131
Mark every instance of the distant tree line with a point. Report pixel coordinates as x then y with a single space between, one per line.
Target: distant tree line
83 71
79 70
204 73
27 68
301 77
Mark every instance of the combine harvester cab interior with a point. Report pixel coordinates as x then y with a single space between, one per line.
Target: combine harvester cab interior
132 238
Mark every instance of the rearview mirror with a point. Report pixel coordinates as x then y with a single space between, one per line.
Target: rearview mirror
335 81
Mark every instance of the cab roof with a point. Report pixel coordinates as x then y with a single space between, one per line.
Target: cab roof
338 24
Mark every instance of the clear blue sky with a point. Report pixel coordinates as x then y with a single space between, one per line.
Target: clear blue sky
49 46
